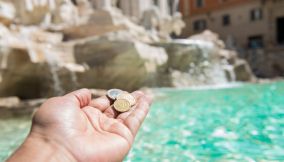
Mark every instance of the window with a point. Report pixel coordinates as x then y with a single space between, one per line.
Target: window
74 2
223 1
156 3
280 30
199 25
255 42
118 4
199 3
256 14
171 7
226 20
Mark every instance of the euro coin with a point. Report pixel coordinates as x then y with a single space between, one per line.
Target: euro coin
113 93
122 105
127 96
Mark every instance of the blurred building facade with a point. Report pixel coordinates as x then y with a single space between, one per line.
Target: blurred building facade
160 16
242 24
136 8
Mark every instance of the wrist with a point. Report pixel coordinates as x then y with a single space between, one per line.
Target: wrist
40 148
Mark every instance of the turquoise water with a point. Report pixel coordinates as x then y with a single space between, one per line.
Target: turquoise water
12 133
244 123
238 124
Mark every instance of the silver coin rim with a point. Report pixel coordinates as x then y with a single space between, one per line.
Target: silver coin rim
114 89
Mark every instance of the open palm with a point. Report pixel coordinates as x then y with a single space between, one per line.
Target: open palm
90 130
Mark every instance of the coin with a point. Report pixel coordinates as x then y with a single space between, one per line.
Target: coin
121 105
113 93
127 96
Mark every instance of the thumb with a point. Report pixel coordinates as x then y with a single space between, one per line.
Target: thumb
80 97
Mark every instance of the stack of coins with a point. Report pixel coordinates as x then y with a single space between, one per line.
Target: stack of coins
123 101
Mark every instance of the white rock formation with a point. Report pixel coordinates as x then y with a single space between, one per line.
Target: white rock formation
7 12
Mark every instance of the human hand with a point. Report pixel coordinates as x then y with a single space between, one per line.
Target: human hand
75 128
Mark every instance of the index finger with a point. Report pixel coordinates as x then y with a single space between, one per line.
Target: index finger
101 103
135 119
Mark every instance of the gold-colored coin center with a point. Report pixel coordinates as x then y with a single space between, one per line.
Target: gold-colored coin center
122 105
